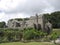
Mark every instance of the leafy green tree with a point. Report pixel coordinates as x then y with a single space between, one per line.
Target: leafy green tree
54 36
2 24
33 34
29 34
54 18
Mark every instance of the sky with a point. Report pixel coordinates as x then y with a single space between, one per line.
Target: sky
10 9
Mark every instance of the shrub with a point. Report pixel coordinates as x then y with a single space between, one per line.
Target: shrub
33 34
29 34
54 36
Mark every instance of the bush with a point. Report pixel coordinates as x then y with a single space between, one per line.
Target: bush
54 36
33 34
8 35
29 34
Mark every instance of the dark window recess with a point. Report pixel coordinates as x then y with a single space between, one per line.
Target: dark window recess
39 26
48 30
35 26
18 24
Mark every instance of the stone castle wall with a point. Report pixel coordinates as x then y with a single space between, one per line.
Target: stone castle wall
29 23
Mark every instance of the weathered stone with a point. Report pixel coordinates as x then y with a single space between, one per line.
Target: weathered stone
38 22
48 27
57 41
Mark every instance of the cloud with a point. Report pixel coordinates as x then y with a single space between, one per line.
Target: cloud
25 8
55 4
6 17
30 7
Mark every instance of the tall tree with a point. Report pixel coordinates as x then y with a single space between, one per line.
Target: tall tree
2 24
54 18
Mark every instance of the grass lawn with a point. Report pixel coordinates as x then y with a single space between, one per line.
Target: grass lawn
57 31
30 43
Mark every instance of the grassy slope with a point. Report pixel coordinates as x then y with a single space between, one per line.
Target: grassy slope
30 43
57 31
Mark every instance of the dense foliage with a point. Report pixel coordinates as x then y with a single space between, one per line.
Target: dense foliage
17 35
2 24
31 33
19 19
9 35
54 18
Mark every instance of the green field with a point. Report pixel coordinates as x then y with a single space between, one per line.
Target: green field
30 43
57 31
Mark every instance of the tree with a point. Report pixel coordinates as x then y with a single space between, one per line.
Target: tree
29 34
54 36
54 18
2 24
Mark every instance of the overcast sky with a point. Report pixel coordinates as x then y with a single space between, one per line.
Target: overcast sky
24 8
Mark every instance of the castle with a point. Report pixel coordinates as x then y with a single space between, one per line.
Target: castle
37 21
